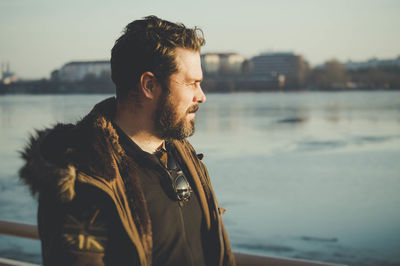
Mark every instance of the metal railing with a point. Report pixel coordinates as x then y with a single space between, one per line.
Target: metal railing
242 259
19 229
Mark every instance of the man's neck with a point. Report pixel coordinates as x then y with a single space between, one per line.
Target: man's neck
139 130
145 141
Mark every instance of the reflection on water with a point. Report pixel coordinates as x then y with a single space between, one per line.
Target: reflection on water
305 175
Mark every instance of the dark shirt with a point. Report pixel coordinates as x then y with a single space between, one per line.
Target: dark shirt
177 226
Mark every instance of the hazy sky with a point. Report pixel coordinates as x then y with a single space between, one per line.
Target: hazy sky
38 36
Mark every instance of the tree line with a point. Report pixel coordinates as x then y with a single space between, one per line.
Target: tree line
334 75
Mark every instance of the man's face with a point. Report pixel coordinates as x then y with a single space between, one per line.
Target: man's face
178 103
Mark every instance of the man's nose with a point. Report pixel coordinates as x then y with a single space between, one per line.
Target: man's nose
200 97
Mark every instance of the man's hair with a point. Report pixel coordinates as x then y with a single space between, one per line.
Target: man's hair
149 45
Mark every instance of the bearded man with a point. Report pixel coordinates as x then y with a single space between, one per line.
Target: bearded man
123 186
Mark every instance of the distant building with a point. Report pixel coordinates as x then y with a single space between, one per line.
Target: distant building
289 68
372 63
272 64
231 63
7 76
222 63
210 63
76 71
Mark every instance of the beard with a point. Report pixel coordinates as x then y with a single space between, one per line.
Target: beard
168 123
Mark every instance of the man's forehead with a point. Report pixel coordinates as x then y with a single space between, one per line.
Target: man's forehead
188 64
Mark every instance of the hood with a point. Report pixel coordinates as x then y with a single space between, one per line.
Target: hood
45 164
53 155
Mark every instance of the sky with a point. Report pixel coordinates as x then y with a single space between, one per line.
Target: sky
39 36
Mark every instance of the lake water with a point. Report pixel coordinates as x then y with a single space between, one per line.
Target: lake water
312 175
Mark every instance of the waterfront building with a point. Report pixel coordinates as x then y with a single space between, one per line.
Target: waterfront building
288 68
222 63
210 63
231 63
79 70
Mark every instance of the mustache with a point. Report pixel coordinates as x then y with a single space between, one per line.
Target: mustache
193 109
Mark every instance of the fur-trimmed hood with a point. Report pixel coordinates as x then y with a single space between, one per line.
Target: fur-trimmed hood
53 155
41 170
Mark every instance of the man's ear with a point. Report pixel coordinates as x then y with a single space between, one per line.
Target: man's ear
149 85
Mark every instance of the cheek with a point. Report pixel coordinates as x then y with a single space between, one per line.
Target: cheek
179 109
182 109
183 105
182 101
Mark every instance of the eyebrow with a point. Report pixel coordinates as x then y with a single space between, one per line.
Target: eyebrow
196 79
190 80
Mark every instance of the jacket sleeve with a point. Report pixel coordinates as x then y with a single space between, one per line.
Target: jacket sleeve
85 231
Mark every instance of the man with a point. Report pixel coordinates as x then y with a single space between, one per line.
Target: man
123 186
